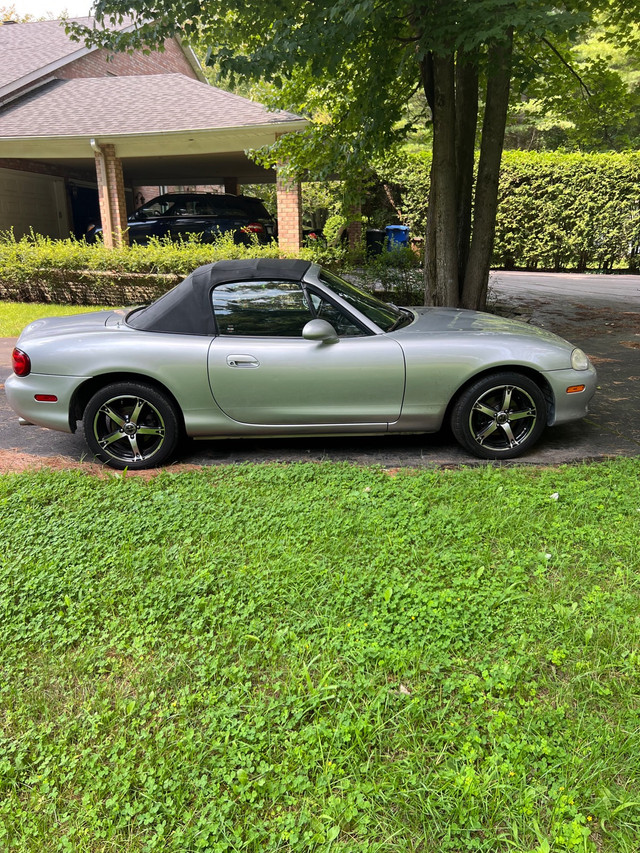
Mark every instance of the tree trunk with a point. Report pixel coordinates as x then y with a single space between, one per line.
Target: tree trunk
466 124
441 261
474 293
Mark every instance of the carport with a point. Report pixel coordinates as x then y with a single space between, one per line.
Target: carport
149 130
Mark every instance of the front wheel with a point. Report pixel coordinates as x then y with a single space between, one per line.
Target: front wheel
500 416
131 425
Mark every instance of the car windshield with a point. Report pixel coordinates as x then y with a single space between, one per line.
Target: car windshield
384 315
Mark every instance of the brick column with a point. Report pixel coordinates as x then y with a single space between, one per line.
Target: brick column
289 214
113 207
354 230
231 185
354 225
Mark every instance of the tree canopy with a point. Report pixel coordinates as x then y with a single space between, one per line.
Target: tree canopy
354 65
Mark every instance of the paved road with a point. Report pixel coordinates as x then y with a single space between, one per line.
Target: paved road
596 290
599 313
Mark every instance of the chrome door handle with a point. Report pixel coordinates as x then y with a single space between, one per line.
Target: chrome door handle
242 361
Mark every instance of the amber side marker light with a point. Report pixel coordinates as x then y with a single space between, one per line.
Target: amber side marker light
575 389
45 398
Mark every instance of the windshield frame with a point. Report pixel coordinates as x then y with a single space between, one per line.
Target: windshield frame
382 314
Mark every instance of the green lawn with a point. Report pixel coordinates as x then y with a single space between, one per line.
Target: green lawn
14 316
321 657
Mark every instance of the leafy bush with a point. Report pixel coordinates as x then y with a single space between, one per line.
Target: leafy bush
560 211
556 211
395 276
38 268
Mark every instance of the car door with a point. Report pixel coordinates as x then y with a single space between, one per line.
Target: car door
190 217
263 372
150 220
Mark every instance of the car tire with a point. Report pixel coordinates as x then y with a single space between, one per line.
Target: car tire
131 425
500 416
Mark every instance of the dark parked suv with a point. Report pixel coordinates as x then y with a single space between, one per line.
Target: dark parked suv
207 215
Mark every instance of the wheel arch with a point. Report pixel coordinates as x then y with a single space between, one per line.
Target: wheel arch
85 392
529 372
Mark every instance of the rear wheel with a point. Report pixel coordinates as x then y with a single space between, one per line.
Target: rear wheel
500 416
131 425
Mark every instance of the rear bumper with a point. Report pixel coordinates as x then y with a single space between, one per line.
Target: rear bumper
21 391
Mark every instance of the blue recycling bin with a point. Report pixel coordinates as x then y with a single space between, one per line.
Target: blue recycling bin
397 237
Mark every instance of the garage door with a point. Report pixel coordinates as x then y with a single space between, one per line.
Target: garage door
29 201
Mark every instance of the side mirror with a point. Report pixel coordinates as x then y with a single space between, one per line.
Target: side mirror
139 215
320 330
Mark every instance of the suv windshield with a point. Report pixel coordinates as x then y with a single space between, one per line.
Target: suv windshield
384 315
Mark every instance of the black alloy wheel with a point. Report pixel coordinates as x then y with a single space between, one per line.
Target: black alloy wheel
131 425
500 416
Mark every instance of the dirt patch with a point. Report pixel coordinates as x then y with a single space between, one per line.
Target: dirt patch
16 462
631 344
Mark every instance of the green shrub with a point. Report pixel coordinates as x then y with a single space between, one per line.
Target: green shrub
556 210
40 269
395 276
560 211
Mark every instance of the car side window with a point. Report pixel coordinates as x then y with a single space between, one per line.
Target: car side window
156 208
260 309
325 310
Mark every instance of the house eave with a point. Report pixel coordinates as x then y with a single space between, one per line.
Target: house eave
152 143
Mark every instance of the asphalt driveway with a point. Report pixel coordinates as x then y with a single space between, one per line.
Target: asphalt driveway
601 314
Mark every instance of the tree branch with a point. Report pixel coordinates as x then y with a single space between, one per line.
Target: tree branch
555 50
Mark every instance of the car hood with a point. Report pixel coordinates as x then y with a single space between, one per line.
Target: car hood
448 320
75 324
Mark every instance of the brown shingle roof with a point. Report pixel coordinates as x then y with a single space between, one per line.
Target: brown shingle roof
34 46
130 105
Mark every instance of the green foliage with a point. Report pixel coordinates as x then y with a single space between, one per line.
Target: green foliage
320 199
333 228
556 210
395 276
406 175
568 211
41 269
577 94
319 657
354 67
22 258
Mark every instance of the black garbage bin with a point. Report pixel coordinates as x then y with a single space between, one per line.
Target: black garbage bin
375 239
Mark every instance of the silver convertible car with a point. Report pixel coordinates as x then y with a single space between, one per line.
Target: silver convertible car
285 348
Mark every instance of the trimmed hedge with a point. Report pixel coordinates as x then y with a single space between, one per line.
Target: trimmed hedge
556 211
38 269
561 211
87 287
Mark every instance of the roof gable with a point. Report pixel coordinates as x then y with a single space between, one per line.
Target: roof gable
34 50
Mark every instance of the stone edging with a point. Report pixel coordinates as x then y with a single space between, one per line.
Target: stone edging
88 287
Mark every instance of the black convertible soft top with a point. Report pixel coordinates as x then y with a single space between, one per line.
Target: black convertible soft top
186 309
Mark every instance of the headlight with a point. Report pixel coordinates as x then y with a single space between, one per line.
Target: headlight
579 360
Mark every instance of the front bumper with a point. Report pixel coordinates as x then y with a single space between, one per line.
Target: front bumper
570 406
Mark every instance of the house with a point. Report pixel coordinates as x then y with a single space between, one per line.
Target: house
80 131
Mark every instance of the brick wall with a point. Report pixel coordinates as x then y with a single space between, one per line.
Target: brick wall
97 64
289 214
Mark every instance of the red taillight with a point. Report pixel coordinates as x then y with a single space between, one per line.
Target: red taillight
45 398
254 228
21 362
